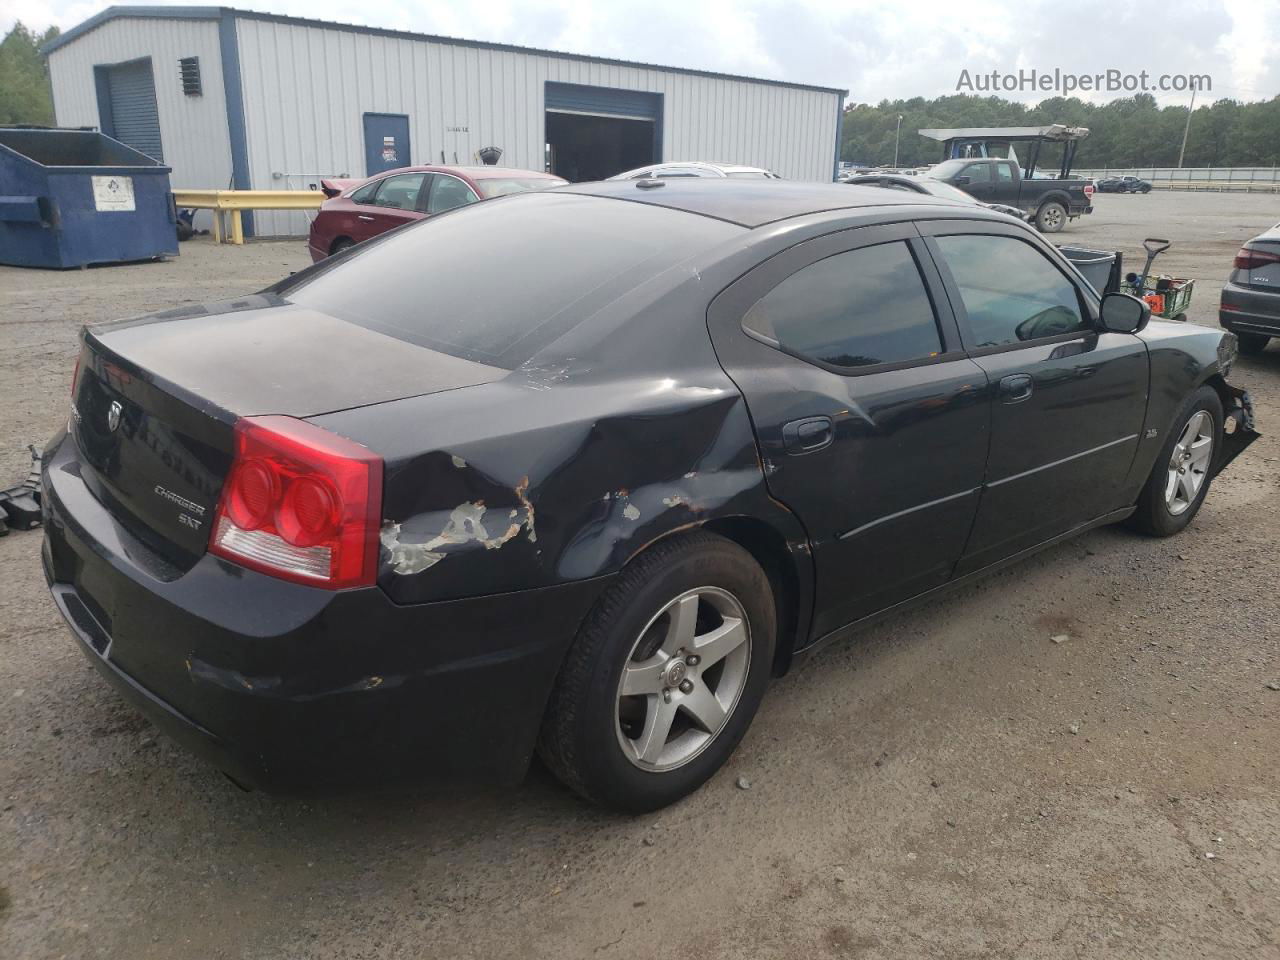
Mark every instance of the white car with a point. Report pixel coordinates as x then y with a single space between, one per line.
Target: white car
696 168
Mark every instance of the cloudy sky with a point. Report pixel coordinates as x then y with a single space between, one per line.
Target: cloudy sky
875 48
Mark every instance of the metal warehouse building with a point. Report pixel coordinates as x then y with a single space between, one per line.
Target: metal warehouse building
256 101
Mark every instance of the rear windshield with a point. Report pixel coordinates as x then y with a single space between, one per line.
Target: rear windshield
497 282
501 186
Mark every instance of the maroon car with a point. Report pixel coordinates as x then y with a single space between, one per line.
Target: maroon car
360 209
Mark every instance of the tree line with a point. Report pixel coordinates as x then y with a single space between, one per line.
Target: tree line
1128 132
25 96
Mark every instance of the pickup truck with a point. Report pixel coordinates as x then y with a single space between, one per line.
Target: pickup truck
1048 203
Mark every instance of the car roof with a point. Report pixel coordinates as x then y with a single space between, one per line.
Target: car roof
471 172
722 168
753 203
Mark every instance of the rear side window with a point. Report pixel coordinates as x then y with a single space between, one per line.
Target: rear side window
365 193
1011 291
866 306
400 192
503 280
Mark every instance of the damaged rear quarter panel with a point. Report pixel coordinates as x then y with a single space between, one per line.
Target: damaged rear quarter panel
498 512
570 465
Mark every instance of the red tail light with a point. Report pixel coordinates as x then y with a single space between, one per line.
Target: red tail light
1251 258
1088 190
300 503
75 378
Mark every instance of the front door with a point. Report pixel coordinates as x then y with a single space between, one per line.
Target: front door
1067 400
386 142
871 421
981 185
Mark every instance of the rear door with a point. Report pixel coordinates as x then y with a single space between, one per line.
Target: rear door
871 421
1068 400
394 203
1005 186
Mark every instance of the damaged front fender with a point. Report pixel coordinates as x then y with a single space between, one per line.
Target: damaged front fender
1238 426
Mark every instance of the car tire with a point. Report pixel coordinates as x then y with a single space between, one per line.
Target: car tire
1168 503
1051 217
1252 343
594 737
342 243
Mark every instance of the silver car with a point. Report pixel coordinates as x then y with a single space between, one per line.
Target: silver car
696 168
1250 306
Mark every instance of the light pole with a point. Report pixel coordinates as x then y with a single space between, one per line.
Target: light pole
1187 129
897 135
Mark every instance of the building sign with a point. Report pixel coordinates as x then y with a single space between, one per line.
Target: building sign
388 149
113 193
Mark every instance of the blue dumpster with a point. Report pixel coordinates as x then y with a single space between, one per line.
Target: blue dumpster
74 197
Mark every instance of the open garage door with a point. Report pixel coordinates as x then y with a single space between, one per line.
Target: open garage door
595 132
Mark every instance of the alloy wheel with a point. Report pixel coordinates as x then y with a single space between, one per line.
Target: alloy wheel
683 679
1189 465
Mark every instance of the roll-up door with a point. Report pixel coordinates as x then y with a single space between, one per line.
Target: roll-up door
131 95
603 101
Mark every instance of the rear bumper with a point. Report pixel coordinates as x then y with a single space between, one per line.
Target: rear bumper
1247 310
288 687
316 253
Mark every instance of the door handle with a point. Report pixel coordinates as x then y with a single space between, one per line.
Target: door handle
1016 388
807 435
364 216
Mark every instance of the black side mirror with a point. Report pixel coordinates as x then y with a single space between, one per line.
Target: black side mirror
961 181
1122 313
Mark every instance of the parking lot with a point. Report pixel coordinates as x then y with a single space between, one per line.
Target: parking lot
953 783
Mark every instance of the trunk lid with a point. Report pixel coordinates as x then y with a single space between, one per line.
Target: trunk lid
156 400
1265 275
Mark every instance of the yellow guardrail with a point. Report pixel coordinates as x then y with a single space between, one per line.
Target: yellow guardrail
233 201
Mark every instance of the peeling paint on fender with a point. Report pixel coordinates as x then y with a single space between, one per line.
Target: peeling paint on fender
406 558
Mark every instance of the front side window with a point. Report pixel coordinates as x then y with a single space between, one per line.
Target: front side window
449 192
400 192
505 186
977 172
1011 291
866 306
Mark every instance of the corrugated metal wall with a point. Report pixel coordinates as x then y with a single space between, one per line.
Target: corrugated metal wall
193 130
306 89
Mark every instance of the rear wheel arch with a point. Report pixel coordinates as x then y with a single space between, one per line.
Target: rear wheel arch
768 547
339 244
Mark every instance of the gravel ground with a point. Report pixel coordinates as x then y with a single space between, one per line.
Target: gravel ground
951 784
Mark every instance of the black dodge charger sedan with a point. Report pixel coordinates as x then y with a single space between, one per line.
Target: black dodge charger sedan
581 471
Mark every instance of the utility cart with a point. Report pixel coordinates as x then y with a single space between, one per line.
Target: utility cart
1168 297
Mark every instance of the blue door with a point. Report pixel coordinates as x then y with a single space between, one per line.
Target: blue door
386 142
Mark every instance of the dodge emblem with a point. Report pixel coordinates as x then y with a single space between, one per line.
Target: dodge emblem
113 416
